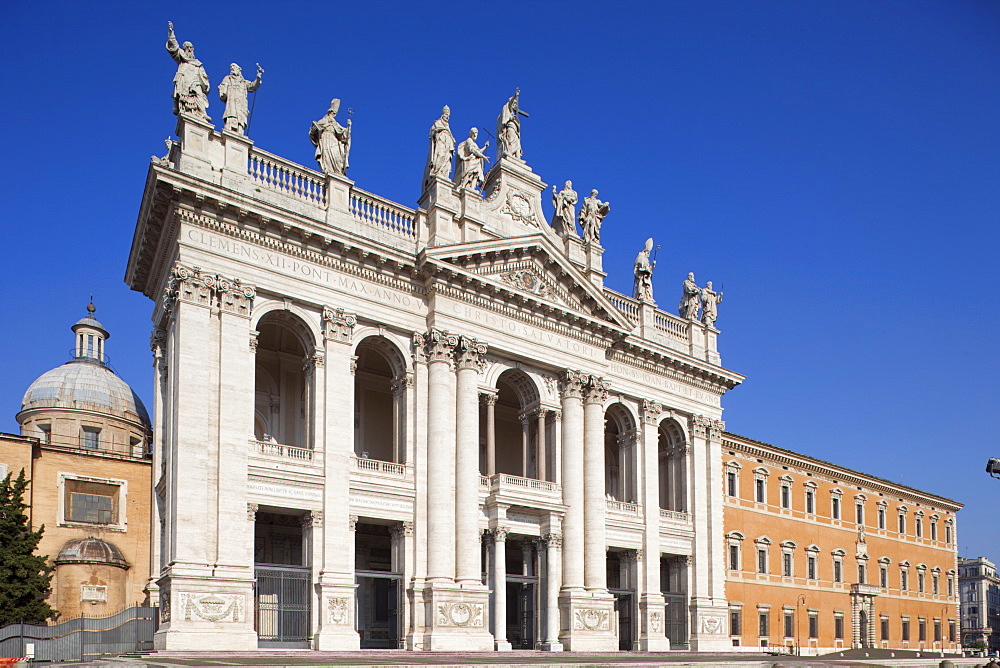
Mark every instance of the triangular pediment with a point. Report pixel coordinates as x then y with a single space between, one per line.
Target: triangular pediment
533 266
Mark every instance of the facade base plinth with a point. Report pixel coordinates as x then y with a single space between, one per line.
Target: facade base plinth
588 621
196 613
220 639
710 629
455 617
336 618
503 646
551 647
651 625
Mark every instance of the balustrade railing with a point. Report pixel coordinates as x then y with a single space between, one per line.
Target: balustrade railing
626 305
623 507
287 177
375 210
527 483
378 466
672 325
278 450
675 515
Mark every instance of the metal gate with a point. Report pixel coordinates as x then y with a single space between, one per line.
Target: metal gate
377 604
281 606
521 611
623 608
676 613
84 638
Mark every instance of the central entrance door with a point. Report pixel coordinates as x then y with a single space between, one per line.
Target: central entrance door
521 611
378 609
282 581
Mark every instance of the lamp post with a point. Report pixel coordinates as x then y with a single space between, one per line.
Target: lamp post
798 624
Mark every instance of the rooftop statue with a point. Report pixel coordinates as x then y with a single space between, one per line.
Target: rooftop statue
509 127
591 216
644 273
564 217
332 141
441 150
710 305
469 166
191 81
690 299
233 91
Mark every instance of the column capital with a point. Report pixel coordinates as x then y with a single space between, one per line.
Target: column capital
469 353
401 383
706 427
500 534
571 384
251 512
253 340
157 337
192 285
313 519
488 398
631 556
651 411
595 391
553 540
338 325
438 345
352 523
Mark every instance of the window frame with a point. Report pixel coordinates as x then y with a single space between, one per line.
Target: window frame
65 481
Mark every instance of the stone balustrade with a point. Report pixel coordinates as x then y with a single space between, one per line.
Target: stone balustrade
675 515
375 210
627 305
380 467
672 325
272 449
283 176
625 508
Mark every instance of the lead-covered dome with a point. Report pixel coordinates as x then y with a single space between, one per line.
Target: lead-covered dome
91 550
88 385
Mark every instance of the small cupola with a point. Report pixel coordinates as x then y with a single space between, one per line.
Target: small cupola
90 337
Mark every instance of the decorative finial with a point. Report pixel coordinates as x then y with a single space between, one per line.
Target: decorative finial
90 307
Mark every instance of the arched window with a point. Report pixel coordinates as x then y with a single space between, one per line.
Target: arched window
521 442
379 401
619 454
672 457
283 380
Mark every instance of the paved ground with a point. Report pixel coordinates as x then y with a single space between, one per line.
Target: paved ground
404 659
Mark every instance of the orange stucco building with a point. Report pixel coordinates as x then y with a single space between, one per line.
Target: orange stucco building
820 557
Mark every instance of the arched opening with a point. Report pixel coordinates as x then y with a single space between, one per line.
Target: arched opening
283 381
672 464
619 454
379 402
520 429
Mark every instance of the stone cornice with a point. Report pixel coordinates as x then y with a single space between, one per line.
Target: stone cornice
766 451
675 366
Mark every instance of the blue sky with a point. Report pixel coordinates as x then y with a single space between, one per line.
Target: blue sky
834 164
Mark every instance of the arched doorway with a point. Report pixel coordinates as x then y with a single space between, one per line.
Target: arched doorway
619 454
283 378
520 437
672 465
379 401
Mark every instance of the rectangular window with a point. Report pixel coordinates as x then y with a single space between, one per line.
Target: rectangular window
735 623
920 528
90 345
922 630
91 502
759 490
859 513
947 534
786 496
811 565
761 560
937 631
835 508
904 580
90 437
902 524
935 584
811 502
884 630
763 624
731 483
838 571
920 582
951 586
813 626
862 574
46 430
883 577
933 529
951 631
789 625
786 564
734 557
881 518
838 627
905 631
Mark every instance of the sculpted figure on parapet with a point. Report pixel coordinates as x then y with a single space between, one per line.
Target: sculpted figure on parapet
710 300
441 150
509 127
592 215
233 91
690 299
469 166
332 141
190 81
564 217
644 273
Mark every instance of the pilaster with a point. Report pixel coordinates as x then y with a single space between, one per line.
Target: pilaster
651 636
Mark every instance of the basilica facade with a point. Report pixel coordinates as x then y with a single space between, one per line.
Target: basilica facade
430 428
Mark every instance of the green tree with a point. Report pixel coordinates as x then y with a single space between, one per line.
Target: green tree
25 577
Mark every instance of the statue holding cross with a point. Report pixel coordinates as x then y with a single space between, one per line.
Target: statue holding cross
509 128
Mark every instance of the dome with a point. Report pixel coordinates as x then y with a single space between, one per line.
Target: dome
91 550
84 384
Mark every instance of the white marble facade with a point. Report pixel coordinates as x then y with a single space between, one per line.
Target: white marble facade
435 422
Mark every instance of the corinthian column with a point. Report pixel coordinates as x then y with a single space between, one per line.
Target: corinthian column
595 506
571 391
468 354
440 456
